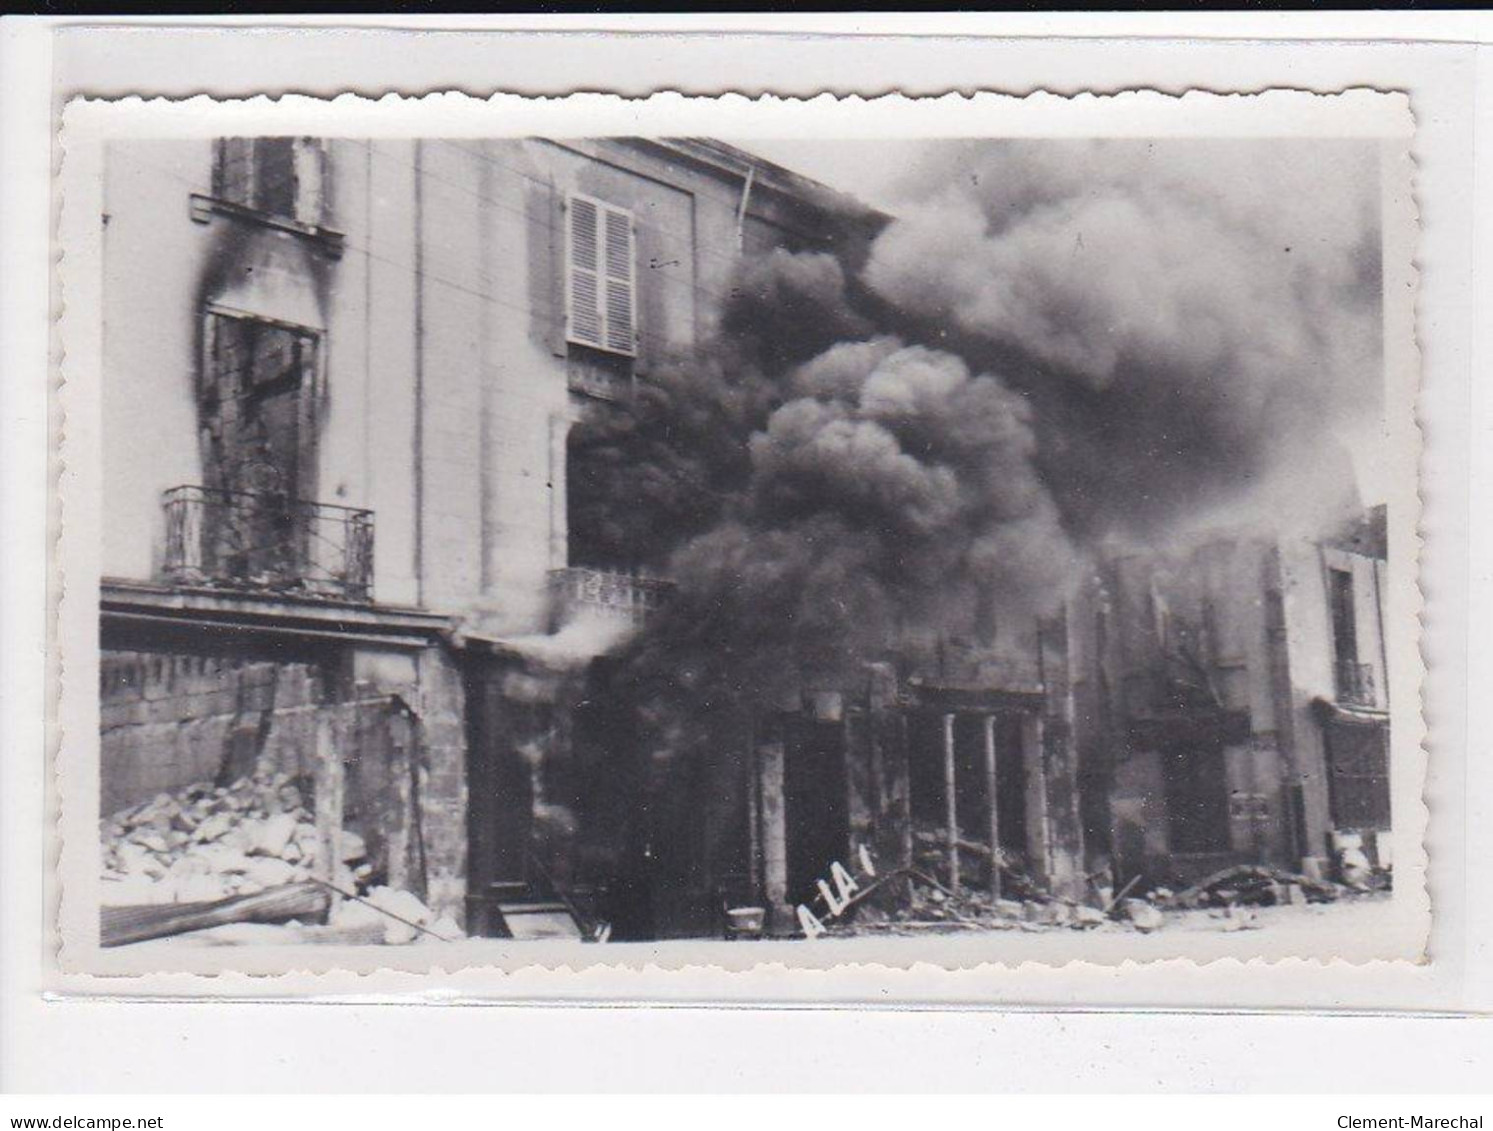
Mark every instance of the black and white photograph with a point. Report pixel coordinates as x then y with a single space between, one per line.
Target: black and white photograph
510 543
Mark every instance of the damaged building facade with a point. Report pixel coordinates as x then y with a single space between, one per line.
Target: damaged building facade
1233 704
348 540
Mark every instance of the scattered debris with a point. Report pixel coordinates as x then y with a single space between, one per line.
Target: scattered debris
932 907
1144 915
1255 885
931 856
208 856
207 843
400 916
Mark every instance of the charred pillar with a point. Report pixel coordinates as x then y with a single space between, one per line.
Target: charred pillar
328 778
994 832
886 739
1034 763
1062 820
951 800
773 824
860 778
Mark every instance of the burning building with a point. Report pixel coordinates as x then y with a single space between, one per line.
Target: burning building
1234 704
618 531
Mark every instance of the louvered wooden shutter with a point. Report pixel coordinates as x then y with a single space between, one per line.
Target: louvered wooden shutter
617 267
600 303
232 172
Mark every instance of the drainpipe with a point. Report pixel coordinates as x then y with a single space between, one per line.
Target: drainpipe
741 209
419 413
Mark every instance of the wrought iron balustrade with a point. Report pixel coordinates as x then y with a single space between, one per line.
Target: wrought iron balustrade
239 540
1355 684
584 592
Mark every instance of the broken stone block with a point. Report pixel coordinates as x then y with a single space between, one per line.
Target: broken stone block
353 846
291 799
407 907
355 913
268 871
151 841
222 859
444 928
1143 915
213 827
1085 917
273 834
1057 914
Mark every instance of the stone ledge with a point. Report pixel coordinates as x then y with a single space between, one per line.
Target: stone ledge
139 603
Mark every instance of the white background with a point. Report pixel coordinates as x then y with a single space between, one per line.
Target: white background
50 1045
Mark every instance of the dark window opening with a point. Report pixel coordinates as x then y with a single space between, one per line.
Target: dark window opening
816 805
280 176
1197 798
1344 620
258 521
1010 783
925 769
603 526
1359 759
258 407
925 764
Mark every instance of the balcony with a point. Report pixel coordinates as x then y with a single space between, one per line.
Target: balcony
583 593
268 543
1355 684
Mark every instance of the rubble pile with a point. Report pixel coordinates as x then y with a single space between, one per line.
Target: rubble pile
931 855
931 907
390 916
206 843
1251 885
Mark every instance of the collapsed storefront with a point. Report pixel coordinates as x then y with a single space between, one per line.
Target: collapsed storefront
579 810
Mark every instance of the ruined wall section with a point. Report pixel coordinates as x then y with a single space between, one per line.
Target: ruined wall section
1180 654
169 721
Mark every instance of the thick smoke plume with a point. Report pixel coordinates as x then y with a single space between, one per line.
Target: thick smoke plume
1189 318
1052 344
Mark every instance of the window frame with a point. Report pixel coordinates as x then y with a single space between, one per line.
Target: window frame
310 396
603 341
307 170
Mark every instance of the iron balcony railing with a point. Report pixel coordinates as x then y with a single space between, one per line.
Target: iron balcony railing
1355 684
239 540
583 592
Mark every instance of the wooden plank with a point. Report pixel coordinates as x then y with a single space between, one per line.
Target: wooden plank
121 925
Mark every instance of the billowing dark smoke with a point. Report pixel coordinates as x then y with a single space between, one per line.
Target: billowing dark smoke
1054 343
1188 318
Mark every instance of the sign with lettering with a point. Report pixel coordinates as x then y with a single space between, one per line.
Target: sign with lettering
836 894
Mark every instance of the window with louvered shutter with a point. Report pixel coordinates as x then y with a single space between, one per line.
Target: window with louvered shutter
279 176
231 169
600 285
